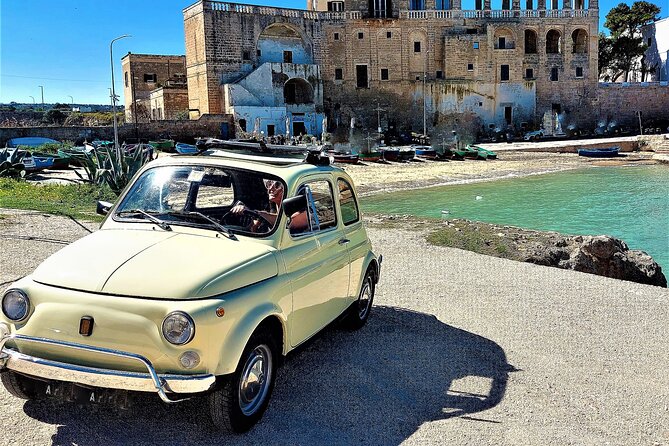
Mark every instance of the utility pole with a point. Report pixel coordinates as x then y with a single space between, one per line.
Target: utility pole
71 100
134 105
427 52
378 116
113 92
640 126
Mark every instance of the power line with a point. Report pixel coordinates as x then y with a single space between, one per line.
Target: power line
52 79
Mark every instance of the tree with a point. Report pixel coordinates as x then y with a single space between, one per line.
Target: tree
620 52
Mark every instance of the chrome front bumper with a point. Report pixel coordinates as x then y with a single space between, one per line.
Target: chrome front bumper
96 377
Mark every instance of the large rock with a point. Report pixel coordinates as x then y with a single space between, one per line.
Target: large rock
602 255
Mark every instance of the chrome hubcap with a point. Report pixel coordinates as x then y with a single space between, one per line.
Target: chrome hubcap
365 299
255 380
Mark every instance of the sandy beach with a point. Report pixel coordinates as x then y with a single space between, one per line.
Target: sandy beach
372 178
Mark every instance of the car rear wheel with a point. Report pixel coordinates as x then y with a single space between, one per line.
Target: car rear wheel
358 313
242 399
18 385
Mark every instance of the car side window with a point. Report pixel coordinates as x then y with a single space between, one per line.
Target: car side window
321 210
347 203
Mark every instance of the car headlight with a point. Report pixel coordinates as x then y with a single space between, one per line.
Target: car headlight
178 328
15 305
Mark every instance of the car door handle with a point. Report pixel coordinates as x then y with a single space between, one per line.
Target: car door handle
343 241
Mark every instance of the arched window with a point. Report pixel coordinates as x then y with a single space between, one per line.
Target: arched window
298 91
580 41
553 42
530 42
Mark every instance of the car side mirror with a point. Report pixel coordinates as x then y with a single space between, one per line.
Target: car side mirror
295 204
103 207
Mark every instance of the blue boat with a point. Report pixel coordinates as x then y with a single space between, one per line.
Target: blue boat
425 152
30 141
185 148
608 152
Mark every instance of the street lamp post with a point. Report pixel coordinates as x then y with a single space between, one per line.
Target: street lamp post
113 91
32 99
42 89
71 99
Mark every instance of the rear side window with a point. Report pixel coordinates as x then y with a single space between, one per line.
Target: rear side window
321 212
347 203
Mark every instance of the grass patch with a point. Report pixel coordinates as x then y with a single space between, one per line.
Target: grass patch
477 238
71 200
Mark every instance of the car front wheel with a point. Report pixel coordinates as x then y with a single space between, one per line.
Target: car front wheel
18 385
358 313
243 397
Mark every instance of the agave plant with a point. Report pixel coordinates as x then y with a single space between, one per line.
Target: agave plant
111 167
11 164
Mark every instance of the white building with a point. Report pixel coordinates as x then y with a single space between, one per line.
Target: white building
656 36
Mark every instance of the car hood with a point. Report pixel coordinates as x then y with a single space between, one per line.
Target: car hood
157 264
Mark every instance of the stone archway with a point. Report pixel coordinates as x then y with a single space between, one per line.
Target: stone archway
298 91
283 43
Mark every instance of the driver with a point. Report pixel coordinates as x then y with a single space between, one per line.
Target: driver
275 194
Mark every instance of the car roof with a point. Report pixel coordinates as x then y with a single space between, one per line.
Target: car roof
289 169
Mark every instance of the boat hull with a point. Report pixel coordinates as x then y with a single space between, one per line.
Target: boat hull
599 153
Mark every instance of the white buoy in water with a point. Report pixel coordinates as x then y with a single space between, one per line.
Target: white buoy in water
478 197
445 212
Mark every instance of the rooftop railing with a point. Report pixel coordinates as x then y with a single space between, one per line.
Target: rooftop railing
403 14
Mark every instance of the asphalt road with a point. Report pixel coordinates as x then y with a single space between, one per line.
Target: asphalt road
461 349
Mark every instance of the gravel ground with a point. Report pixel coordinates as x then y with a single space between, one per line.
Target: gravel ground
460 349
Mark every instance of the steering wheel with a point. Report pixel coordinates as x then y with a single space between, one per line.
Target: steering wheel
248 220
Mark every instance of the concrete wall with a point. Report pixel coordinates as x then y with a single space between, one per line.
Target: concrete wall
258 118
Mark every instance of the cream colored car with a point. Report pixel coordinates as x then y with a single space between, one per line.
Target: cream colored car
204 274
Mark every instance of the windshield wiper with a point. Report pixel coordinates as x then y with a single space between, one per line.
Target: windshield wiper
221 229
153 218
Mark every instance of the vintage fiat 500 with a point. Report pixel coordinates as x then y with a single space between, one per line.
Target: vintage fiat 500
206 272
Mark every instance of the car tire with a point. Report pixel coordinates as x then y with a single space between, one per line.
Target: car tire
243 397
18 385
358 313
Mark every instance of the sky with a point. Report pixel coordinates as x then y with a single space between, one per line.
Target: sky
63 45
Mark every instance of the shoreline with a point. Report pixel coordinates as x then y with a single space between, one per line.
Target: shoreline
375 178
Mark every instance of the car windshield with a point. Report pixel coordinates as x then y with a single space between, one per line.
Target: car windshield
222 199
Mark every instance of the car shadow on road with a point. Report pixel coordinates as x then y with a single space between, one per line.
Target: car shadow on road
374 386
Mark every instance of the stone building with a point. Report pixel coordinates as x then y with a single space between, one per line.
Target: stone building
155 84
656 36
506 62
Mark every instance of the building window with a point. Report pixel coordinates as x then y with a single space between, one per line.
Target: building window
501 43
339 74
504 73
442 4
476 45
246 55
417 5
530 42
150 77
361 78
379 8
440 74
335 6
336 36
125 75
287 57
389 34
361 35
580 41
650 42
242 124
416 47
258 53
579 71
554 74
470 67
472 31
506 4
529 73
553 42
384 74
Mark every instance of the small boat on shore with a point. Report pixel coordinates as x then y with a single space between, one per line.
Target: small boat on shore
390 153
345 157
407 154
484 153
608 152
166 145
372 156
185 148
426 152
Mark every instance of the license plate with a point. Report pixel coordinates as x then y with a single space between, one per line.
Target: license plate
83 395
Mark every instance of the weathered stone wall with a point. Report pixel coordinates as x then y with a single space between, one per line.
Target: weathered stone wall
621 102
179 130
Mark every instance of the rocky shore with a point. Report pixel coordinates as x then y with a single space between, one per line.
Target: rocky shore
601 255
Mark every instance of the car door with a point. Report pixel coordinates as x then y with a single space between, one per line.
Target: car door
317 264
355 236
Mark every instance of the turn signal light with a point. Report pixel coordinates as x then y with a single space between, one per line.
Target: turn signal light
220 312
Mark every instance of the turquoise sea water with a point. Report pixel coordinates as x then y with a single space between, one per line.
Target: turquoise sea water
630 203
